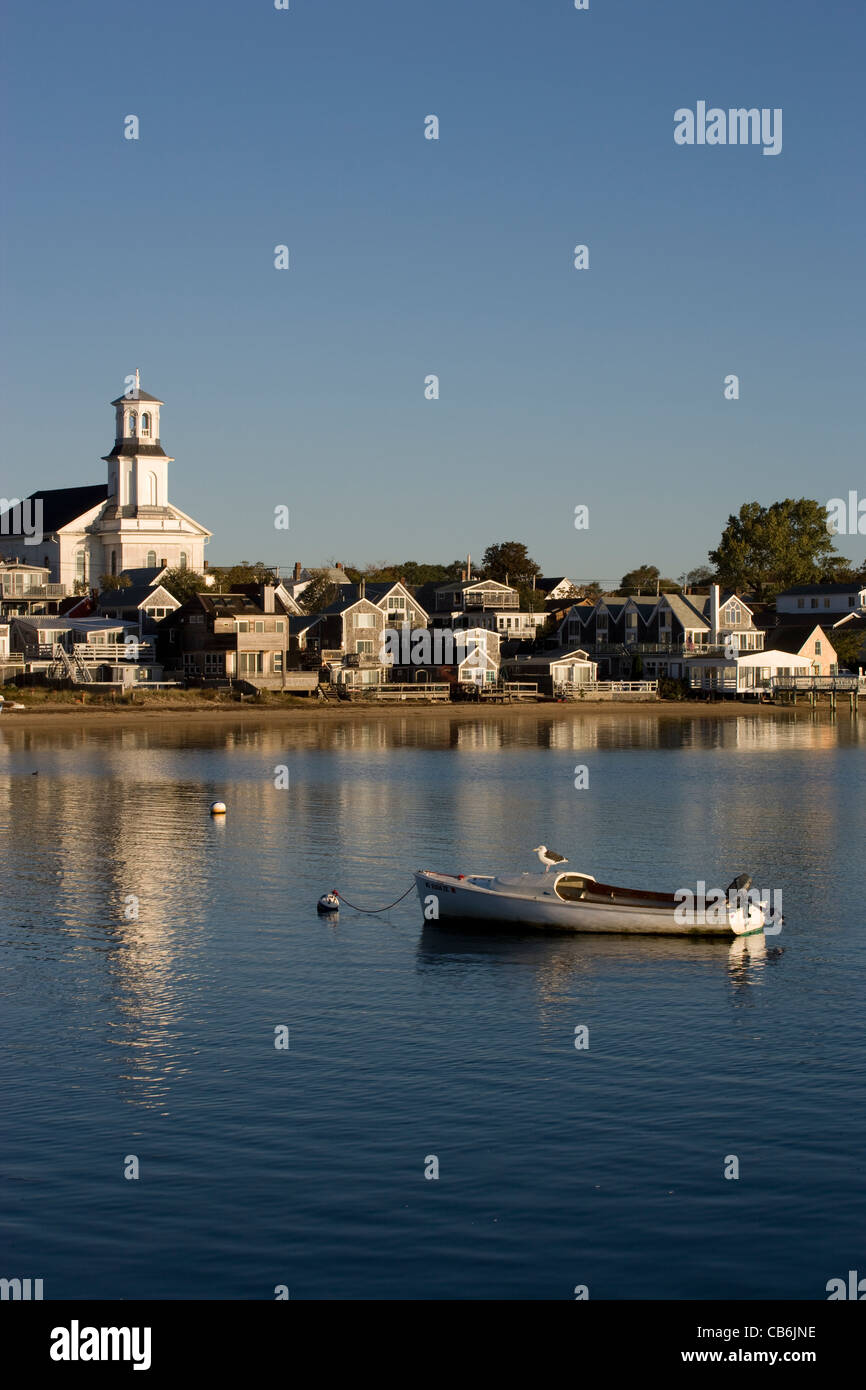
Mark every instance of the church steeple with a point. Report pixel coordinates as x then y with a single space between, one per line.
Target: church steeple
138 464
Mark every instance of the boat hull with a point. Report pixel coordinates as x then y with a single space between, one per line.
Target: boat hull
534 907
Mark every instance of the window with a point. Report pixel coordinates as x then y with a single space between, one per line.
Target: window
260 625
152 491
79 566
817 648
183 559
365 620
145 424
278 662
132 422
214 663
243 625
151 559
279 625
251 663
801 603
814 603
850 600
826 603
365 647
114 562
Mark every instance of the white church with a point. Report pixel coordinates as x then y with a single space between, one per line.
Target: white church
81 533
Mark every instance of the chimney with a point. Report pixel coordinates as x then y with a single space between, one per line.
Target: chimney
468 566
714 614
296 573
362 589
267 598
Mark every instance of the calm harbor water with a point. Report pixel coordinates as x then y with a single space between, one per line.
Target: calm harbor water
154 1035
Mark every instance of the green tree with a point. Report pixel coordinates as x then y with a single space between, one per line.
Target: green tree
320 591
850 648
531 600
226 577
700 577
509 562
114 581
643 580
592 590
764 550
183 583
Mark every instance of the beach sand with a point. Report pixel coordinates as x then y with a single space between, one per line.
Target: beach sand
72 716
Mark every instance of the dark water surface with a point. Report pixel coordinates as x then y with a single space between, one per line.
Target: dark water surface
258 1167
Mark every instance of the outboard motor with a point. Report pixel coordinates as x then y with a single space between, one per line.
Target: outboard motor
741 884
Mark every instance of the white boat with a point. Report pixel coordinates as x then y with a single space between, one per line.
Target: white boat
576 902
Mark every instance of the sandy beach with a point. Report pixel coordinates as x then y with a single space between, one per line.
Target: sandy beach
52 716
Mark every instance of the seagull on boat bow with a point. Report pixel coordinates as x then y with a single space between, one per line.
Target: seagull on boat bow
548 857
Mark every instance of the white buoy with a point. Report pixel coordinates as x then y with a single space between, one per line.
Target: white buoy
217 808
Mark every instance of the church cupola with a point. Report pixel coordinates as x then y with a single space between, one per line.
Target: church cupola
138 464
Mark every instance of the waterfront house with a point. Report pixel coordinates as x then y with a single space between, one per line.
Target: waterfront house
228 637
26 588
471 658
143 604
473 596
396 600
351 638
813 643
822 600
746 674
554 672
522 626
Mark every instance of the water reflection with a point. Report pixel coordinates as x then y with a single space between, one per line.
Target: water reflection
561 964
115 819
760 728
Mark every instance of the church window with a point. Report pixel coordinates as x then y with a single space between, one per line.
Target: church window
132 422
151 559
145 423
151 489
79 565
114 562
183 560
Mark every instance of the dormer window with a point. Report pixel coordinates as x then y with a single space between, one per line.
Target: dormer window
145 424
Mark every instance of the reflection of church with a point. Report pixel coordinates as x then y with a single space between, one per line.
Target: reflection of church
125 524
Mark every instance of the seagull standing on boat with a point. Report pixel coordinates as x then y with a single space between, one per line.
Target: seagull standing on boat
548 857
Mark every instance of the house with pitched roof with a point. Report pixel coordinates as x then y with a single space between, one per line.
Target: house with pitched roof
143 604
802 640
227 637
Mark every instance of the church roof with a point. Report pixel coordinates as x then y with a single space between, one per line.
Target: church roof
129 448
60 505
137 395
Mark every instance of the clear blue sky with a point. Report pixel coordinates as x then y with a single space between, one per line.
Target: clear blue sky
410 257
